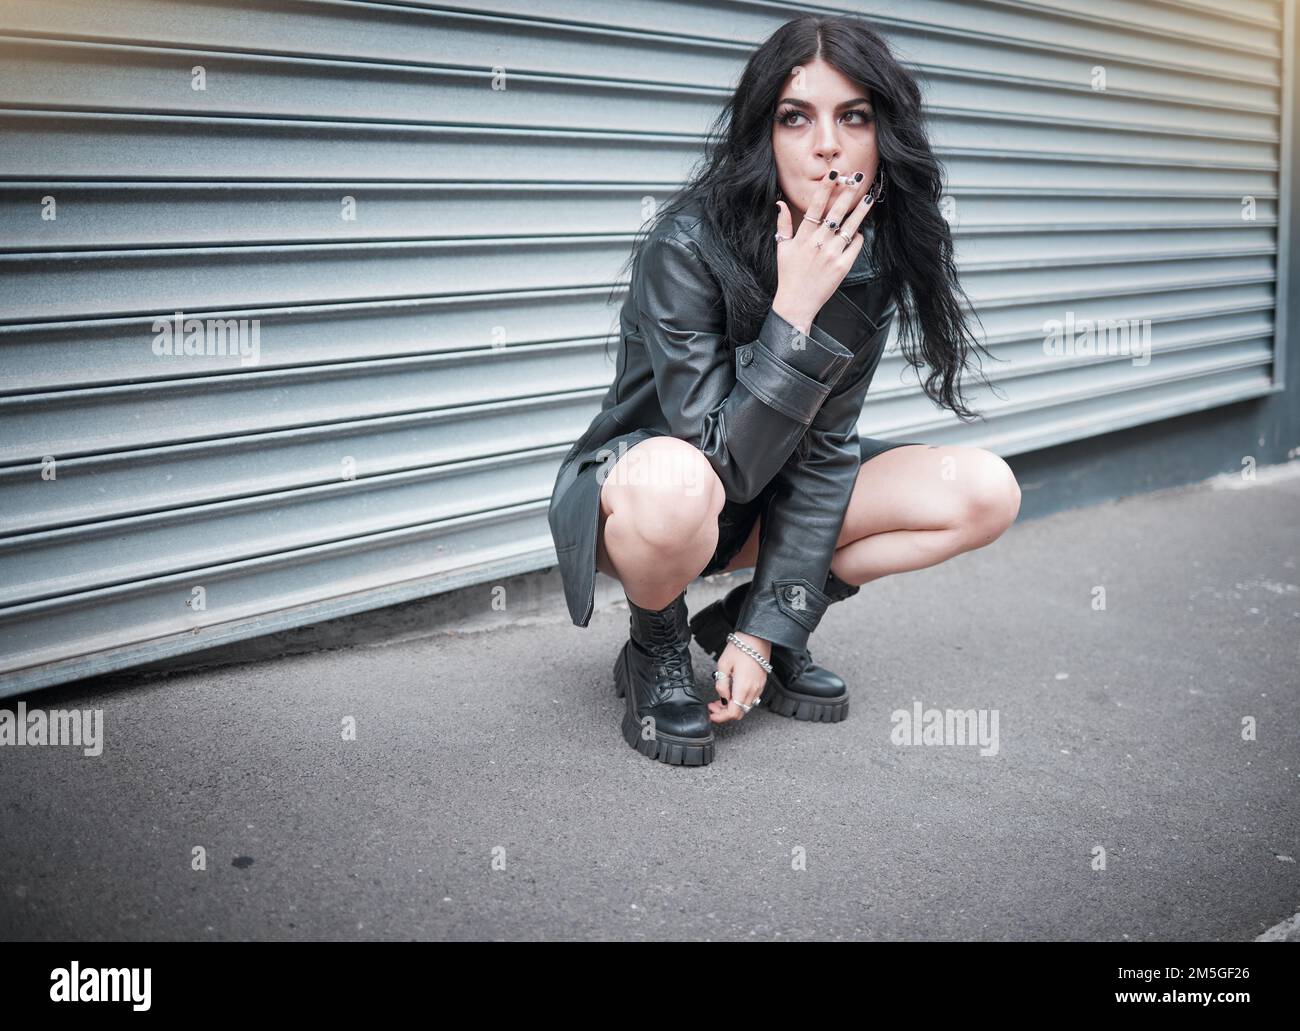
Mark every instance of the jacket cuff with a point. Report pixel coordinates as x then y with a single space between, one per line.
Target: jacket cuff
784 611
790 371
817 353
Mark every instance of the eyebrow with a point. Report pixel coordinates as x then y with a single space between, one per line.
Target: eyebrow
793 102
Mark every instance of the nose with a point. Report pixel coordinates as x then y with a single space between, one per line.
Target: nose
827 142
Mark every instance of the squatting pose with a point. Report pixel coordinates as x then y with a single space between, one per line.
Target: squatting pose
760 301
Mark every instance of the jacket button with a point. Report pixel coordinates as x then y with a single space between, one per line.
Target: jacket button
746 356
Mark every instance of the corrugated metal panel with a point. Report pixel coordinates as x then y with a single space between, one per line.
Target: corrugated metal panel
423 367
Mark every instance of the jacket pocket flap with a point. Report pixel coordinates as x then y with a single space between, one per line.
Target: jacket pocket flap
800 600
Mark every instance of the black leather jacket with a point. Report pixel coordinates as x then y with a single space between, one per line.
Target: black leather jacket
747 414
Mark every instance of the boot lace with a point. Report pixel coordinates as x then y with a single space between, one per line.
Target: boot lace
672 666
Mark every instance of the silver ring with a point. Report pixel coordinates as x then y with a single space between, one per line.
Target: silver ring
745 707
832 224
779 238
719 675
809 218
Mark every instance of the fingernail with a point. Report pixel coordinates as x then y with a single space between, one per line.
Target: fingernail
858 178
833 174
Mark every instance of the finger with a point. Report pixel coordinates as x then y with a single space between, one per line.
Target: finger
853 248
749 693
844 201
783 220
848 240
860 211
723 687
725 709
819 202
749 696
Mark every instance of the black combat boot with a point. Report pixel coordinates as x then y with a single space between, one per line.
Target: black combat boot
667 716
797 686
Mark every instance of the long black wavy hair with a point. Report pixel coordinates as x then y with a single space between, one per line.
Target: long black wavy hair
736 181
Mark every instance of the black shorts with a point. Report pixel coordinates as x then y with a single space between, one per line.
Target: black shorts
736 520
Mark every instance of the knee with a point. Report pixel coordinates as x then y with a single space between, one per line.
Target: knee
991 495
668 490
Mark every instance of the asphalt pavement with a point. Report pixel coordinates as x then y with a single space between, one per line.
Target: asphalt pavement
1139 661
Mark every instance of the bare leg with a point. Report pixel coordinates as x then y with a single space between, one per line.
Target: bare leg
917 506
659 510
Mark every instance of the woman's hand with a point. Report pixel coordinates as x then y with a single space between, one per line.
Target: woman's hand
808 274
747 678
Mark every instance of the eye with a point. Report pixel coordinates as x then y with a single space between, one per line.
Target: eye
785 117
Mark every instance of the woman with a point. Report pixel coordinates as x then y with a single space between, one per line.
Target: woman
761 297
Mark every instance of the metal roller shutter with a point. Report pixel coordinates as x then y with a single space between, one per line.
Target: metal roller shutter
426 259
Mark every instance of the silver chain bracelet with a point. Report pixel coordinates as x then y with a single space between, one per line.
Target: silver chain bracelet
753 653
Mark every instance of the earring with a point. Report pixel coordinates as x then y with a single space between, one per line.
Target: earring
877 190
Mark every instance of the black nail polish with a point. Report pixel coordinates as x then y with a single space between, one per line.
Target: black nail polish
858 178
833 174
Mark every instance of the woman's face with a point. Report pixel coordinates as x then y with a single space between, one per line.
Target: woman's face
822 121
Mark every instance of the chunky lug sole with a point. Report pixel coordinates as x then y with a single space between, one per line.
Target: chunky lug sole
667 748
711 626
